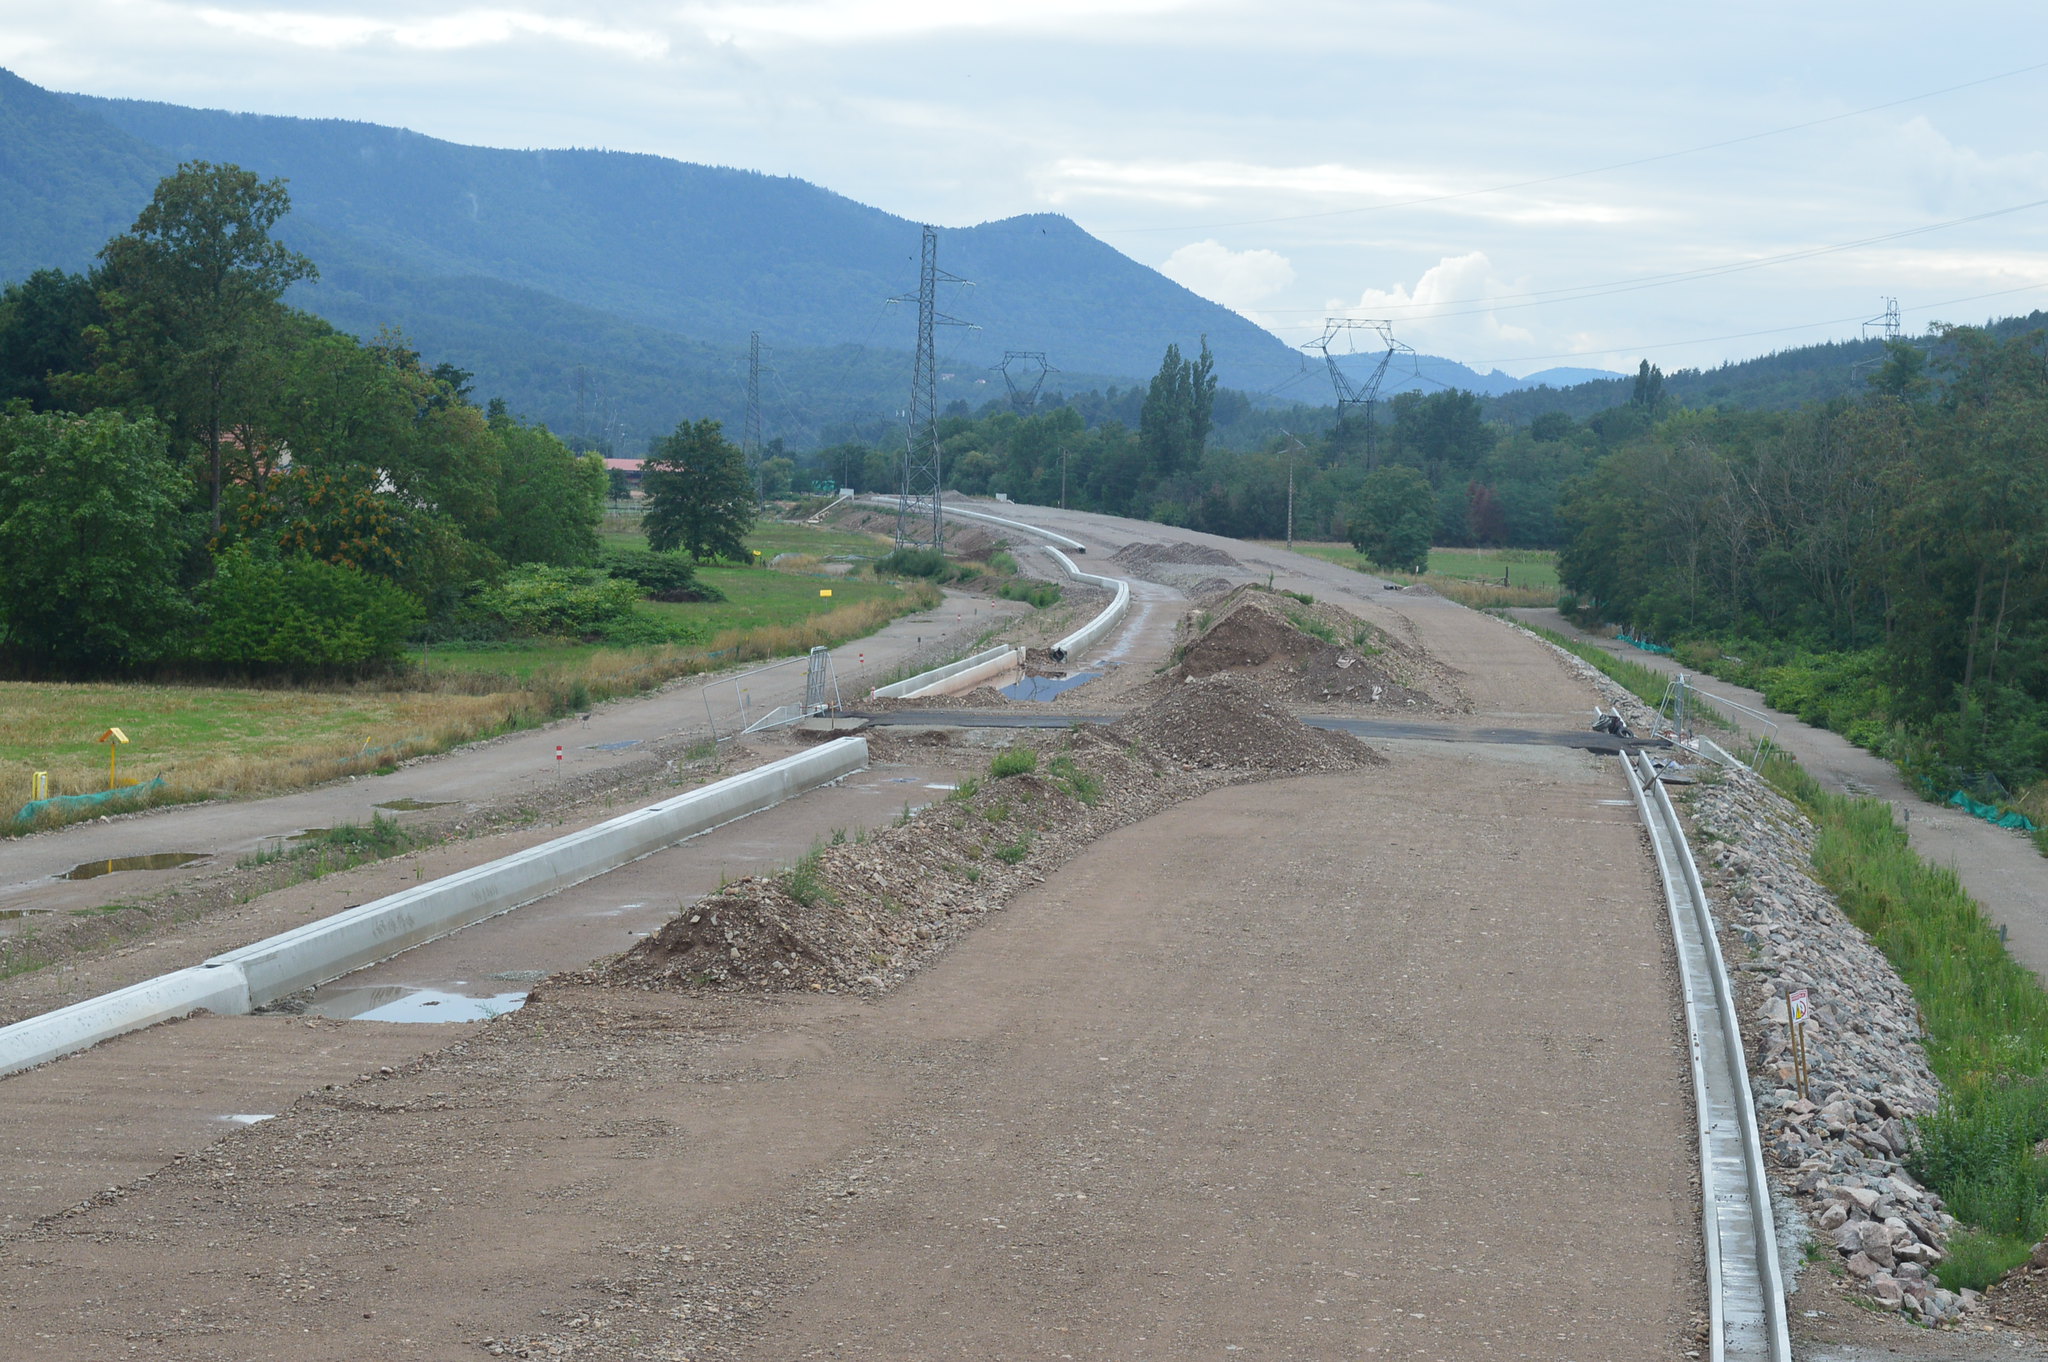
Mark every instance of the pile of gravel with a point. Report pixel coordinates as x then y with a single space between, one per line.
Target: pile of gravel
1139 557
1223 723
1252 634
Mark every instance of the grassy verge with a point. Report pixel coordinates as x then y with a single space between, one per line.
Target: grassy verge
1646 685
1986 1018
1481 578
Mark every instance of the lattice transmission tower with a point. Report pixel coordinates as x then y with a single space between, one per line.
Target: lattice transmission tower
920 510
1028 380
1354 393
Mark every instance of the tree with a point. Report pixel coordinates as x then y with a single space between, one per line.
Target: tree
93 533
550 501
188 286
1174 424
1392 517
43 321
699 497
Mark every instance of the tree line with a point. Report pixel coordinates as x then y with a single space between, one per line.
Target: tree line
1882 559
195 474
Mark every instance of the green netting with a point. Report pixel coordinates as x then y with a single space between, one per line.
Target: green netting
30 810
1644 644
1991 813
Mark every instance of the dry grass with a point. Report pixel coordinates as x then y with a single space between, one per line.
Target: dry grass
212 741
1479 595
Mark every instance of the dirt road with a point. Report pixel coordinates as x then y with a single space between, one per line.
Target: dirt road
1275 1074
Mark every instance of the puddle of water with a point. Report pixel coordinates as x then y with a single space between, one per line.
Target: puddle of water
415 805
612 746
520 976
393 1004
942 787
1046 687
162 860
13 914
250 1118
309 833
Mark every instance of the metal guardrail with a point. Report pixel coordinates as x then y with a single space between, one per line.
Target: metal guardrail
1745 1287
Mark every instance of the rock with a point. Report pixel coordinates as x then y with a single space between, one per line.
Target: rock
2039 1257
1860 1265
1832 1217
1887 1292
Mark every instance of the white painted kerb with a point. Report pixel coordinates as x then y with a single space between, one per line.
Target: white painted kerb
238 980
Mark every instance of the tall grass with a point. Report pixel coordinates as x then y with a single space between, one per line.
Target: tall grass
1986 1018
1646 685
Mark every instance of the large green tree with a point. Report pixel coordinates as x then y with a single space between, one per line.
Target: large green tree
93 535
43 324
1179 405
1392 518
699 497
192 288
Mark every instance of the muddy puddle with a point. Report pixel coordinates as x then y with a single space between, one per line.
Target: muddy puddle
390 1003
1046 687
415 805
162 860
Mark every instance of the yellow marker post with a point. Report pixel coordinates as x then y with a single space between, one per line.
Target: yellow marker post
113 738
38 785
824 591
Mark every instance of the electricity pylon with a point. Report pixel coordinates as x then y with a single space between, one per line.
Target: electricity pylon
1351 393
920 512
750 435
1030 365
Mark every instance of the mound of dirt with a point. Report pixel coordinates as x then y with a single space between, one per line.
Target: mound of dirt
863 914
1221 722
1252 635
1139 557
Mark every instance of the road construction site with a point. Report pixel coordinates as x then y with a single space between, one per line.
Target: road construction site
1308 991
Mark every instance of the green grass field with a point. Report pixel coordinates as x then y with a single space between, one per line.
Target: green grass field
1534 569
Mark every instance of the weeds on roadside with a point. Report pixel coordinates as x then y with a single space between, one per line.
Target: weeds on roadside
967 789
1017 761
1010 853
805 881
1068 775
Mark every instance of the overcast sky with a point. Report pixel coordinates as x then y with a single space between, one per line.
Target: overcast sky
1291 160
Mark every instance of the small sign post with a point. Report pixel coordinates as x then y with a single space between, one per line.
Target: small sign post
38 785
1796 1007
113 738
824 591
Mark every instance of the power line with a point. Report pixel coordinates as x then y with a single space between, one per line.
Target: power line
1593 170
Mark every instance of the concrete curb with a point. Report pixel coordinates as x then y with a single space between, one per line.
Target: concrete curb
238 980
954 675
1094 629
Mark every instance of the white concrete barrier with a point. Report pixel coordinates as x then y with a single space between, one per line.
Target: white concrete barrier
1094 629
962 675
40 1039
238 980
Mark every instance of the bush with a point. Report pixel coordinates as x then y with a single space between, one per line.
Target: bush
1038 594
661 576
552 602
1015 762
301 614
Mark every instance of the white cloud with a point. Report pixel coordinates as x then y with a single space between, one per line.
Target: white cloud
873 21
1236 279
1446 313
442 33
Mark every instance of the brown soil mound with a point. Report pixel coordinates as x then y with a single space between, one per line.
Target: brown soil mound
1141 556
1251 635
1221 722
863 914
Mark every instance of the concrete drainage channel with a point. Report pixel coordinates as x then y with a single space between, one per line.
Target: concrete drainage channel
239 981
1745 1284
